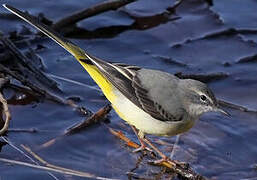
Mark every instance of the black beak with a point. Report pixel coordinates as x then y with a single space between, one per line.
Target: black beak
222 111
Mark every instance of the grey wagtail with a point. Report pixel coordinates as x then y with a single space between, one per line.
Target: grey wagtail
151 101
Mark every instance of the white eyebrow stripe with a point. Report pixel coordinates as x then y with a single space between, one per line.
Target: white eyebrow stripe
201 93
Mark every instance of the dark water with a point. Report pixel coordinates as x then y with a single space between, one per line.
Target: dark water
217 147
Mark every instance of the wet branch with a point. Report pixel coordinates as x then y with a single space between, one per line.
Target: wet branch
4 110
88 12
37 90
121 136
59 168
23 70
140 22
96 118
26 65
248 59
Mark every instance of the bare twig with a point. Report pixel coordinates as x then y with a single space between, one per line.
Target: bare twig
121 136
19 130
4 108
39 92
45 163
50 142
75 82
88 12
25 155
248 59
3 81
145 22
26 82
97 117
64 171
26 63
6 113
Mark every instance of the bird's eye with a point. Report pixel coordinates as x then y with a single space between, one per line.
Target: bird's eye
203 98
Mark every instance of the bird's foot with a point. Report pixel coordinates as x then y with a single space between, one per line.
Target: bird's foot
143 147
185 165
173 163
162 160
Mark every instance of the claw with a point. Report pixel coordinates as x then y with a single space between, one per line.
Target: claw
164 159
182 164
142 148
159 161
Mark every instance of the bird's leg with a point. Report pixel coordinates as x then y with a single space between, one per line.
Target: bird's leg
174 147
173 152
142 139
139 134
164 158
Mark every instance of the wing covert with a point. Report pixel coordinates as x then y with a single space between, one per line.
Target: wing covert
125 78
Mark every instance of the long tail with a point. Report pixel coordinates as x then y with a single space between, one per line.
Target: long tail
76 51
90 63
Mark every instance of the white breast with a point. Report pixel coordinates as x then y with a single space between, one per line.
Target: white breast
135 116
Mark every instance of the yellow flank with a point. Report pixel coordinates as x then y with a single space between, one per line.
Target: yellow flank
101 81
96 75
121 115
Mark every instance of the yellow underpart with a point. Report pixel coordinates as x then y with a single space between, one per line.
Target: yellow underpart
122 116
93 71
101 81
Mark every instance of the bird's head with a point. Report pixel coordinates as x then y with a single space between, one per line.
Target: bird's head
198 98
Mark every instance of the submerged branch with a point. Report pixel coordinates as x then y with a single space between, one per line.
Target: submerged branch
96 118
58 170
32 77
248 59
29 84
88 12
26 65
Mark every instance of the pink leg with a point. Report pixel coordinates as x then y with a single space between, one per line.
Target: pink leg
142 139
142 144
164 158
